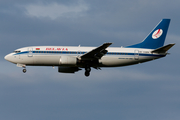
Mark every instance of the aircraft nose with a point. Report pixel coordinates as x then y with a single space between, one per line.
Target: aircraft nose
7 57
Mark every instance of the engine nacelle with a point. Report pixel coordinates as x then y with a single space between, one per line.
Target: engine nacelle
68 60
63 69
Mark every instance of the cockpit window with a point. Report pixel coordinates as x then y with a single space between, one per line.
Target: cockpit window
17 51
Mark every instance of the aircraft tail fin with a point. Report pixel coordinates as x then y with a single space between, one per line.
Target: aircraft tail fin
156 37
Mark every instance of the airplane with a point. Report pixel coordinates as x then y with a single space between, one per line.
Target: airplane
71 59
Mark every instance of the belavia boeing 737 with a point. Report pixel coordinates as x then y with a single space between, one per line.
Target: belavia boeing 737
72 59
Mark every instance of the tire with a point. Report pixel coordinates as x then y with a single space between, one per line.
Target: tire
87 73
24 70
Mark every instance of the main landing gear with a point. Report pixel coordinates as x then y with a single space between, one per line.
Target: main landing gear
87 71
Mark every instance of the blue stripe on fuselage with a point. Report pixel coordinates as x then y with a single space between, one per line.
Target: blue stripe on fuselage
76 53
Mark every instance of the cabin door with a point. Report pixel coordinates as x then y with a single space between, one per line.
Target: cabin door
136 54
30 50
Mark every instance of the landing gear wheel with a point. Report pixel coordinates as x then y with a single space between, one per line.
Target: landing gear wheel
87 73
24 70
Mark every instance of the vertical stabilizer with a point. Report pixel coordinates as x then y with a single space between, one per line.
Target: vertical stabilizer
156 38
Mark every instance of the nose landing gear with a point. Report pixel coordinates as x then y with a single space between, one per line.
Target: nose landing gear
24 70
23 66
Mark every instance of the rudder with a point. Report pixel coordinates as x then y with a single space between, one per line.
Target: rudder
156 37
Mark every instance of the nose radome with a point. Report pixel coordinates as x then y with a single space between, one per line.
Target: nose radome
7 57
10 58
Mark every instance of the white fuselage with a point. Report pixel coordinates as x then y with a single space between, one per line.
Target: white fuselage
51 56
72 59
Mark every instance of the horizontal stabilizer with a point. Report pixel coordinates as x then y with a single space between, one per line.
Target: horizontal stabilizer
163 49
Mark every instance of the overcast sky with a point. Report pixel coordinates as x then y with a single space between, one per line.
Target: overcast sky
148 91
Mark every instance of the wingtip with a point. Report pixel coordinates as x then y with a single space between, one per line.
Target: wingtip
108 43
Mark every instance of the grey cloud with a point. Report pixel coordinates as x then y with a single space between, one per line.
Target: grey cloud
55 10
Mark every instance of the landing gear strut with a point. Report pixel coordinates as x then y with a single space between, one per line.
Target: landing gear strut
87 71
23 66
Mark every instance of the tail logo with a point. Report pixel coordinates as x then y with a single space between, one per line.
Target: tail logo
157 34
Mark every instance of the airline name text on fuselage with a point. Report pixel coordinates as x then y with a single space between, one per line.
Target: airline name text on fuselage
58 49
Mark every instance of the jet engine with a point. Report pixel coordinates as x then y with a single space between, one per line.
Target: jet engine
68 60
63 69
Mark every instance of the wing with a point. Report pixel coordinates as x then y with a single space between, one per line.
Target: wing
96 53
